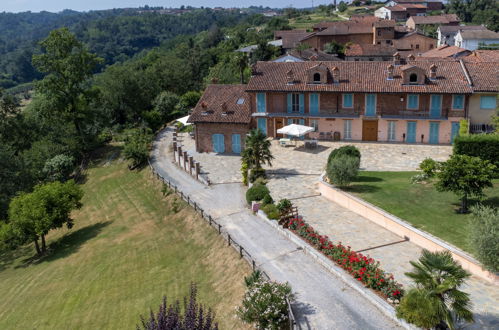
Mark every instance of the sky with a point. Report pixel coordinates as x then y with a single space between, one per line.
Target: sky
85 5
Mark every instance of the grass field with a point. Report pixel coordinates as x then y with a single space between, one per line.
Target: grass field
305 22
129 247
420 204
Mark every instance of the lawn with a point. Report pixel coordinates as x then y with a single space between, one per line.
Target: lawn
420 204
129 247
306 22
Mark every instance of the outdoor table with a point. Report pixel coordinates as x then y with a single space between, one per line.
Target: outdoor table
284 142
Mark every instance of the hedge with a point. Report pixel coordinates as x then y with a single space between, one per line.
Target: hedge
347 150
485 146
256 193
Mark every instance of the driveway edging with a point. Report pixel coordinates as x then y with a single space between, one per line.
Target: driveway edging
381 304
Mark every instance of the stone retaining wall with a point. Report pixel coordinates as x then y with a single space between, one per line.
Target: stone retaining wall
403 229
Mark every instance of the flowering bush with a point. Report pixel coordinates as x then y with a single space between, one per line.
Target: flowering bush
362 268
264 303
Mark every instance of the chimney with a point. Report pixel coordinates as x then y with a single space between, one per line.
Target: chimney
389 69
433 72
290 77
336 75
396 59
411 57
204 105
253 70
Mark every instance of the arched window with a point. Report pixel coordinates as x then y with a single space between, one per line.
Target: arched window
413 78
317 77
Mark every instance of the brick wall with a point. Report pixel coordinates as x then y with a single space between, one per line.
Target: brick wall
414 41
204 132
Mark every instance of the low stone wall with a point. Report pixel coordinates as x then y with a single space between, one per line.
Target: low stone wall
403 229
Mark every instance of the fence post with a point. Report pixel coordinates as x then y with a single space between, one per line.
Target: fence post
210 219
195 207
228 236
185 160
175 187
179 149
191 161
198 169
188 199
241 251
202 213
219 228
253 264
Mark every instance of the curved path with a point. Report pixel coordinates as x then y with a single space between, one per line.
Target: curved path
323 300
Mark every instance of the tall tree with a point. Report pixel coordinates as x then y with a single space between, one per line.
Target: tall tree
68 66
33 215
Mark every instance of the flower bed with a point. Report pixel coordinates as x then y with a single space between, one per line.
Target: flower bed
362 268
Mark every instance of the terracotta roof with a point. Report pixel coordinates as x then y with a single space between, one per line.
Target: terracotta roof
483 56
446 51
409 1
479 34
404 7
455 28
312 54
362 77
291 38
222 104
364 18
485 76
439 19
347 27
369 50
385 23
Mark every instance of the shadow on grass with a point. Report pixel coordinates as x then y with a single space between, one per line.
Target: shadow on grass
491 202
360 188
7 258
365 178
66 245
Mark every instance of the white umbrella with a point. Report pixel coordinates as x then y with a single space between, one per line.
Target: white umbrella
295 130
183 121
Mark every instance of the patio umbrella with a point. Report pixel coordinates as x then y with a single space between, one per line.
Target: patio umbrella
183 121
295 130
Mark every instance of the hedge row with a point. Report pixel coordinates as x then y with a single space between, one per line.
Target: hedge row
485 146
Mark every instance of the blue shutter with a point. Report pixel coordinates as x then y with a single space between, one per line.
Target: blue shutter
260 102
218 143
262 125
454 131
435 106
413 101
302 103
347 100
458 101
487 102
314 104
236 143
290 102
411 132
434 130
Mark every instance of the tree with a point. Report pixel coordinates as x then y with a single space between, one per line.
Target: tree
483 235
33 215
466 177
59 168
137 147
68 66
436 299
195 316
334 48
257 150
342 6
343 169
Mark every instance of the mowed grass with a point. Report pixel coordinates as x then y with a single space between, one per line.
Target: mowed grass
128 248
420 204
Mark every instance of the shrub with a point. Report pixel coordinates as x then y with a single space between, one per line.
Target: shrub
484 236
463 127
256 193
261 181
265 304
418 308
253 278
267 200
429 167
168 317
343 169
284 205
136 147
418 178
244 172
342 151
485 146
271 211
256 173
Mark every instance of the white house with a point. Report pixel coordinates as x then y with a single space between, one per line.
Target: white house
447 33
383 13
472 39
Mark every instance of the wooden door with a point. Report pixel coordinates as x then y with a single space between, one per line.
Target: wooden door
370 130
279 123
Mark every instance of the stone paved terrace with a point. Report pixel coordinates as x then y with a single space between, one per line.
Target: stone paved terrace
295 174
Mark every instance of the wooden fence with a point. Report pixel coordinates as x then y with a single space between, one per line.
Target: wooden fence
243 253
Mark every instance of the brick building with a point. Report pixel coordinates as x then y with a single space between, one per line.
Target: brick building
420 22
222 119
401 12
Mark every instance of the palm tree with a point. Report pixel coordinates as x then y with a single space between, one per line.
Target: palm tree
437 277
257 150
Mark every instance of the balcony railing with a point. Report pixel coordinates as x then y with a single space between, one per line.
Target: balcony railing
481 128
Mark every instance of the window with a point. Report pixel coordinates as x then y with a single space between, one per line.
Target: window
417 46
260 102
413 101
431 46
317 77
391 131
347 100
347 129
487 102
388 42
295 102
379 33
315 124
458 102
413 78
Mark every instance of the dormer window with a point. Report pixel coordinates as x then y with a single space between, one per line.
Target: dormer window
317 78
413 78
240 101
